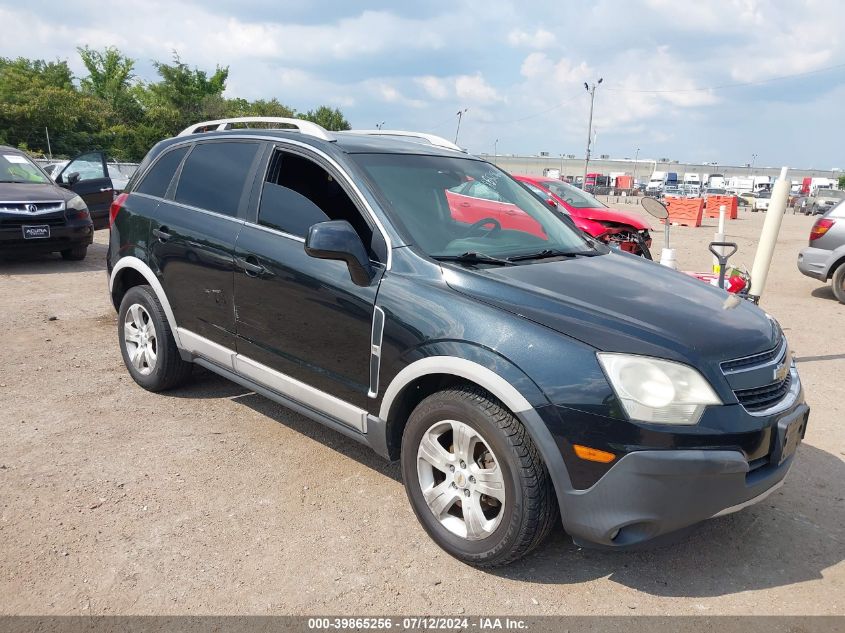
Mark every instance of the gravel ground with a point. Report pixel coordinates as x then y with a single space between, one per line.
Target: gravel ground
211 499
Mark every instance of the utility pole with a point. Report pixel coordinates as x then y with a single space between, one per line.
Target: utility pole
49 151
592 91
495 150
751 166
634 180
460 116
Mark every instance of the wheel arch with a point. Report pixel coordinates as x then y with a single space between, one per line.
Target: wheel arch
428 375
839 261
130 271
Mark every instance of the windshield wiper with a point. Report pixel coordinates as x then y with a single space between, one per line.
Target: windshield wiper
549 252
473 257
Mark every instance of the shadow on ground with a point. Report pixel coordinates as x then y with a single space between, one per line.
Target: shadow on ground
52 263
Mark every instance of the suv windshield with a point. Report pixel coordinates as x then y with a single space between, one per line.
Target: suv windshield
573 196
461 206
18 168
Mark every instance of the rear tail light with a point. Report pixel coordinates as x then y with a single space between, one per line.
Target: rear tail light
821 227
115 207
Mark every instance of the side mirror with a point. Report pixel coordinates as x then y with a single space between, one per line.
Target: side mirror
655 208
73 178
336 239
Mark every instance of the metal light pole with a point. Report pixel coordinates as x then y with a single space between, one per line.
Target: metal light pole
751 166
592 91
460 116
634 180
495 150
49 151
379 125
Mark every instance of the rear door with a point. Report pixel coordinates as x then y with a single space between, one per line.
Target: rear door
87 176
193 232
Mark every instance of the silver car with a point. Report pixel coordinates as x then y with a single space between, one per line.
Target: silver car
824 258
824 200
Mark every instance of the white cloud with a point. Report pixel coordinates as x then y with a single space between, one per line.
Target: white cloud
475 89
541 38
435 87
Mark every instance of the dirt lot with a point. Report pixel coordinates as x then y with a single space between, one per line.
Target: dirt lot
214 500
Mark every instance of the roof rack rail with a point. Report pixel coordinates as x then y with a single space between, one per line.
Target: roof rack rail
303 126
432 139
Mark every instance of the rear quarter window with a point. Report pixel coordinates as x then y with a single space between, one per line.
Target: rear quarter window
158 178
214 175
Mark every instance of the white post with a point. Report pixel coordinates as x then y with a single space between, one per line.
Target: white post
769 235
719 237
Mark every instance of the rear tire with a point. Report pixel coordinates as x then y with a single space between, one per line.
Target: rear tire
838 283
146 342
75 254
491 500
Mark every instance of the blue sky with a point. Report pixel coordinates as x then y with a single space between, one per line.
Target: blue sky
519 67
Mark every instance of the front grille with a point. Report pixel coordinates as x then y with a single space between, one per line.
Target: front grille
32 208
757 359
763 398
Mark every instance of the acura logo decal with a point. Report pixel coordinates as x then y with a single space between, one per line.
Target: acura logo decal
31 208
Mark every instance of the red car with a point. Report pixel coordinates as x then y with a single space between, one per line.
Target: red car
592 216
473 201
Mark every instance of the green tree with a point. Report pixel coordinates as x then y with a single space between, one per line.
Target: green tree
183 94
110 78
329 118
35 95
842 182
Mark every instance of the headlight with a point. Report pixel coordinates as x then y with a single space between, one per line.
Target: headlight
76 204
657 391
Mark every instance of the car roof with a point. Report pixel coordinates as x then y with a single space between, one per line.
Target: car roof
347 142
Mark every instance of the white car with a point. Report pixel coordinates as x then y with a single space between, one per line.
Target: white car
761 202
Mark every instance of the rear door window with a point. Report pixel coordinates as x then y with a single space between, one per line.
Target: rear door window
158 179
214 175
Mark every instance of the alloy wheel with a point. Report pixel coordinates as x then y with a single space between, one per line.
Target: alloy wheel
461 480
139 334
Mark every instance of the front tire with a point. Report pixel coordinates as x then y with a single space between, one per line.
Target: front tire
838 283
475 479
146 342
75 254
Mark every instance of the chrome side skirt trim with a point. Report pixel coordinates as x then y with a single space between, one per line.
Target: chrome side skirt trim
276 381
214 352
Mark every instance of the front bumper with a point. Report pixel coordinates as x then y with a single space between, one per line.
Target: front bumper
654 492
62 237
814 262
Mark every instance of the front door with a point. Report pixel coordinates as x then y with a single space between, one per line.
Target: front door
87 176
296 315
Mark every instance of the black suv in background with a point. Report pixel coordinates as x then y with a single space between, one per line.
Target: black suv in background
36 214
520 374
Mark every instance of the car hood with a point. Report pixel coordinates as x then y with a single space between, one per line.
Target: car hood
622 303
25 192
604 214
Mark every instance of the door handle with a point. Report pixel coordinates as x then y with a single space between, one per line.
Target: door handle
162 234
250 266
104 189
